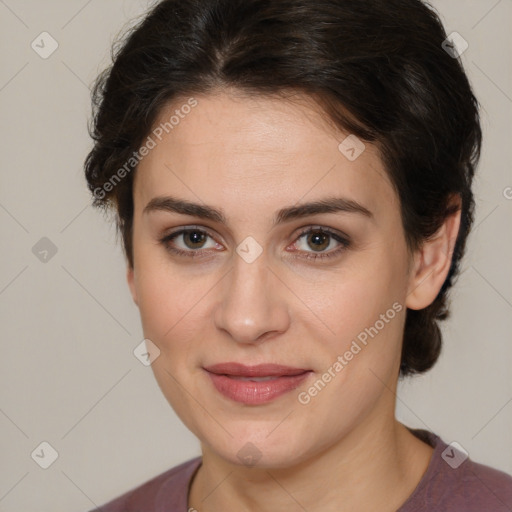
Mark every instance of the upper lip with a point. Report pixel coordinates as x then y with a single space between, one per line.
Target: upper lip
259 370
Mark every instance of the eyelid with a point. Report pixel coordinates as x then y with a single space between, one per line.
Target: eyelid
339 237
342 239
323 229
168 237
191 227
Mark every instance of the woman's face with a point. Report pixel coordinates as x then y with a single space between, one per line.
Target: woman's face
246 288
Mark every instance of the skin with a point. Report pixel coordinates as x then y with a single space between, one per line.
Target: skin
250 157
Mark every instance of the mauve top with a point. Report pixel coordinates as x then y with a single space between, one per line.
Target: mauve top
452 483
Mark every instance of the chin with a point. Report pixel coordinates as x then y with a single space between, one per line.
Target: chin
259 450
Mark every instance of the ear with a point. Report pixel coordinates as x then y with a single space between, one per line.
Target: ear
432 262
130 278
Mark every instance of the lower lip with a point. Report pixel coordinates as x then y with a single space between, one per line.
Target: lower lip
255 393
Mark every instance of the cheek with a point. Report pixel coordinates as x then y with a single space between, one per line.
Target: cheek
158 290
167 302
364 314
174 302
354 299
361 359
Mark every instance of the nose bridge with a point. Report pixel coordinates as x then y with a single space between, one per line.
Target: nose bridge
251 305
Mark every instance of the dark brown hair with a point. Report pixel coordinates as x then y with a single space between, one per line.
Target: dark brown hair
377 68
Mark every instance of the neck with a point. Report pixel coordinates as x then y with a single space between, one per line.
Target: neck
375 467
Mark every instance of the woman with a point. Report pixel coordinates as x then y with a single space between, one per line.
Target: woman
292 182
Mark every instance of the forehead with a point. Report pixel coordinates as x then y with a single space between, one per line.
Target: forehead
259 150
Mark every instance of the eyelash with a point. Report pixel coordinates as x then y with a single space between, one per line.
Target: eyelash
345 243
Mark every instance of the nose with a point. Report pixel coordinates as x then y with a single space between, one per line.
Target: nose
252 305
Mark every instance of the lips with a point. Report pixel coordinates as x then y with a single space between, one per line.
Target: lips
260 370
255 385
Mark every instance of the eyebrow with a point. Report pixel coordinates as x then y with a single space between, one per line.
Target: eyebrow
327 205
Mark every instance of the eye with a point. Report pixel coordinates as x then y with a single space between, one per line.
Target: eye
189 242
194 242
320 240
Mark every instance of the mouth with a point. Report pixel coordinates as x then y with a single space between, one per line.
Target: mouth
255 385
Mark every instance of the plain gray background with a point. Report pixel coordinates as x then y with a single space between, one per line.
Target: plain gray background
69 327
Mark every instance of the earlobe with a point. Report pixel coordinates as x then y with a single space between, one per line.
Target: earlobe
130 278
432 263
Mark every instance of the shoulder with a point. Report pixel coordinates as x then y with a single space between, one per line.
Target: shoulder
455 482
168 489
480 487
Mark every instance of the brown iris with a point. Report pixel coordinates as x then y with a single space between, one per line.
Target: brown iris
194 239
320 240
